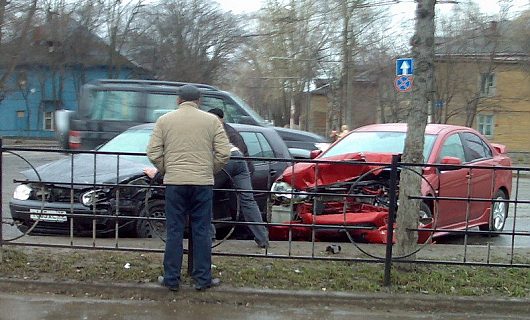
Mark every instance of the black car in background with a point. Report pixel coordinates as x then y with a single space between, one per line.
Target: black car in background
63 197
111 106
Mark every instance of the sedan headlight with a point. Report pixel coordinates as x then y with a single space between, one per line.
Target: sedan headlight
281 186
22 192
92 197
282 192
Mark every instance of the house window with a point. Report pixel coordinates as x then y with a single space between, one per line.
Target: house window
48 121
487 84
485 124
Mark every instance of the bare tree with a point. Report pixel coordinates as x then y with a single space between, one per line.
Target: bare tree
361 23
285 54
410 181
12 52
469 50
119 20
187 40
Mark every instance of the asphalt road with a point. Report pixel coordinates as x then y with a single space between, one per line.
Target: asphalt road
12 165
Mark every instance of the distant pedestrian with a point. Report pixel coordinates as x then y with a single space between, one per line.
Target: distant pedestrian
334 135
239 173
187 147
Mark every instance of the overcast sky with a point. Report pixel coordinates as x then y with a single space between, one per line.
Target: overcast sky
403 7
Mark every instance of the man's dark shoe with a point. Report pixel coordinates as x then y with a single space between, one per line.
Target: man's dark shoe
163 284
263 245
214 283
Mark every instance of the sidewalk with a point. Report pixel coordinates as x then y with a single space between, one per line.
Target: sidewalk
226 302
30 142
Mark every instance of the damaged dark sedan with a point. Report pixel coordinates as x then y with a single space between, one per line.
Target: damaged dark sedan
103 192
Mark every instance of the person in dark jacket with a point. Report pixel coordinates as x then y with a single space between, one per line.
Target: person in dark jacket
235 138
237 170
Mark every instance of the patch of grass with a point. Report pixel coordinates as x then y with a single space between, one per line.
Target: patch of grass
98 266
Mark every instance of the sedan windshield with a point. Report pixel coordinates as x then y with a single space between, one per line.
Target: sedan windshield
377 142
133 141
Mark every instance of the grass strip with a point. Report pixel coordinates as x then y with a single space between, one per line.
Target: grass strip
56 265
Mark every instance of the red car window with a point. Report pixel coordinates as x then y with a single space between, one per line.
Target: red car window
475 148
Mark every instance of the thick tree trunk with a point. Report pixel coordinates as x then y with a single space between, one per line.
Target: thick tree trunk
423 53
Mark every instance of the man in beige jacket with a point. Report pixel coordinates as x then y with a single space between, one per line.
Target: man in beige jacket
188 146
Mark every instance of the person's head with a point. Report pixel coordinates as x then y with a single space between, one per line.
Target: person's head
344 127
218 112
189 92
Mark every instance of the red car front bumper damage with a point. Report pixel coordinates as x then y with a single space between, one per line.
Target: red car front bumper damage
366 223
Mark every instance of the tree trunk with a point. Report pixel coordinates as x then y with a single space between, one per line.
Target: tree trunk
410 183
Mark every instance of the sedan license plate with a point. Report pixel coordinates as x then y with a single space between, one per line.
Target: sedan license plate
48 215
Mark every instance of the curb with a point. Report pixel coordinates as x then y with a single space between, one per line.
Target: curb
243 296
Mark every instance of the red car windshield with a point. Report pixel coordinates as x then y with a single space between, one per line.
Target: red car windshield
376 142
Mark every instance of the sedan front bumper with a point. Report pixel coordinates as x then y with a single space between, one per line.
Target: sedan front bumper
57 218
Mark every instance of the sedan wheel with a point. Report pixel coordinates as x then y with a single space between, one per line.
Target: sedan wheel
152 227
425 214
499 213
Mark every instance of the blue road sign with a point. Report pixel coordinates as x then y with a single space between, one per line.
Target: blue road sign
404 66
403 83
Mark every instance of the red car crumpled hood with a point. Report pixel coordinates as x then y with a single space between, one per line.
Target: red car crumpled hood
302 176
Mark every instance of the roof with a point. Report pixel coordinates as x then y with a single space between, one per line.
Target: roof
142 83
65 41
501 38
431 128
237 126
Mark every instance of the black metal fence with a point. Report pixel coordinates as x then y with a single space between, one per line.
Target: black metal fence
323 219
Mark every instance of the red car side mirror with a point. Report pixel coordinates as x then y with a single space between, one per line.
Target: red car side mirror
314 153
450 162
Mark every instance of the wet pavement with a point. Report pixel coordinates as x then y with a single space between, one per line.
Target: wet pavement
25 299
57 307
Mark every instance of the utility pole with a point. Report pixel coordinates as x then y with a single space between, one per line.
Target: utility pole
410 182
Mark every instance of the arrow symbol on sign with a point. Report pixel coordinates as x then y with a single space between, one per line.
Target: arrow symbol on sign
404 68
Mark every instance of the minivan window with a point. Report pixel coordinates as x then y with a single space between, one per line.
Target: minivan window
159 104
249 110
114 105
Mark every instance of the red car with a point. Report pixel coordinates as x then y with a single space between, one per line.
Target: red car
368 184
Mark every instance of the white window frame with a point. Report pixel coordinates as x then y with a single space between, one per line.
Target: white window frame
48 115
485 121
488 84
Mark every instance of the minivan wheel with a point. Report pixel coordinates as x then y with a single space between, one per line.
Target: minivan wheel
152 227
498 213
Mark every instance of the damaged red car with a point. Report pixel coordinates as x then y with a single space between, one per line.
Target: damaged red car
348 185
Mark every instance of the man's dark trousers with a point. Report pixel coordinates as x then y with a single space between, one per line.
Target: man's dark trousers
195 201
238 171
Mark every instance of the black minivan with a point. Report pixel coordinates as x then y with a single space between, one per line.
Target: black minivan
110 106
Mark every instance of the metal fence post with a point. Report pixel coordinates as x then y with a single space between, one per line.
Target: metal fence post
1 201
391 218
